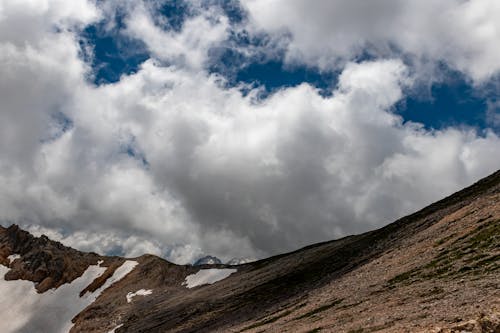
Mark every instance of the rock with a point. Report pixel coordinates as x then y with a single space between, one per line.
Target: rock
208 260
490 324
469 326
47 263
484 324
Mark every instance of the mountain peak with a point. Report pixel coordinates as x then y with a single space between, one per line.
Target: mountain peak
208 260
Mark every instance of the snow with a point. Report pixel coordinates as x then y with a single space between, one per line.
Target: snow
52 311
114 329
208 276
140 292
240 261
13 257
119 274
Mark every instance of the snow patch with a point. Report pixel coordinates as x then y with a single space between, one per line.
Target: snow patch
240 261
52 311
13 257
119 274
207 276
140 292
114 329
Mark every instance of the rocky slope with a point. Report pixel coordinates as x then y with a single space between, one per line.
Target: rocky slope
437 270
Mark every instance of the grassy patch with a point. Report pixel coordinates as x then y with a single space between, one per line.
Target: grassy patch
403 277
301 305
444 240
470 254
433 292
486 236
347 306
267 321
320 309
488 260
371 328
315 330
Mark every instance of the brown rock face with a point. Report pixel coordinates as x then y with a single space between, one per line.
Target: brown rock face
47 263
437 270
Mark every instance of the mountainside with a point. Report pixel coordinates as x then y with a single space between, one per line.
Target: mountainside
437 270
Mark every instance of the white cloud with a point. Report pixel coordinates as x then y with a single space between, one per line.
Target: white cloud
30 21
463 34
170 161
188 47
223 170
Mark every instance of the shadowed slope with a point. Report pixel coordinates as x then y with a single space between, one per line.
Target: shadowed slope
429 268
281 282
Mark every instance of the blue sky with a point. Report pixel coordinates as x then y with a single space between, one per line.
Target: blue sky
452 100
240 128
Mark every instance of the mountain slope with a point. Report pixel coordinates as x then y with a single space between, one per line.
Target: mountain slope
435 268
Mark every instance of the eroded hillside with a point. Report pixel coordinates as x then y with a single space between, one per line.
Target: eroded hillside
437 269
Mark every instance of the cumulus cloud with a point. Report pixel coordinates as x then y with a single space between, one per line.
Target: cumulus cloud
188 47
462 34
169 160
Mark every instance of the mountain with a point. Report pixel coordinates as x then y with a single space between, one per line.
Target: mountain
211 260
239 261
436 270
207 260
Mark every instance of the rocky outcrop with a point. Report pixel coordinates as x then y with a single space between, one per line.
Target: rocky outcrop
47 263
483 324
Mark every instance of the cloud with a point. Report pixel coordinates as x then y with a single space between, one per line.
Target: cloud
27 21
188 47
462 34
169 160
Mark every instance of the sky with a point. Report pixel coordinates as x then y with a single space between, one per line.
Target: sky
240 129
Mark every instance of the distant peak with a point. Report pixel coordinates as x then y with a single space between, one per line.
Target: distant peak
207 260
240 261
